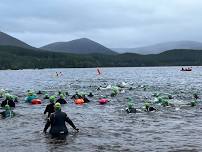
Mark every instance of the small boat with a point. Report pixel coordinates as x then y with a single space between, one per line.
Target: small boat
186 69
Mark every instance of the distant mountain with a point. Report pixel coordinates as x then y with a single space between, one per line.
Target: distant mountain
12 57
78 46
161 47
7 40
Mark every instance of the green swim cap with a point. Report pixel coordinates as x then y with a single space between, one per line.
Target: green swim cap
57 106
52 99
7 95
147 105
30 93
61 96
130 105
7 107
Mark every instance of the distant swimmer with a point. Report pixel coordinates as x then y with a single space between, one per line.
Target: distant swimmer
130 108
90 94
76 96
196 96
148 107
8 101
61 100
57 121
8 112
30 97
46 96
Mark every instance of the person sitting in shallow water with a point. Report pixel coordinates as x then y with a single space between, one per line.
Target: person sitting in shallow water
8 101
57 121
50 107
148 107
8 112
61 100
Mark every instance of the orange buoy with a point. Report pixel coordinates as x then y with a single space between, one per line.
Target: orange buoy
36 101
78 101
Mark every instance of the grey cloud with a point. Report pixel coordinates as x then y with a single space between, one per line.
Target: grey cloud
114 23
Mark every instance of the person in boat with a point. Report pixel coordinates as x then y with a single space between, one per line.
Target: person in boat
30 97
50 107
8 101
57 123
8 112
148 107
61 100
76 96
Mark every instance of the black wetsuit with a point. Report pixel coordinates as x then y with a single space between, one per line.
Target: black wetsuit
131 110
61 101
150 109
90 95
57 122
85 100
46 97
11 103
50 109
76 96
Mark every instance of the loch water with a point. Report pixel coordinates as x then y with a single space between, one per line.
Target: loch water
106 128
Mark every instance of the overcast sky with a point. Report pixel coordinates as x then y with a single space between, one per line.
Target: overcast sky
113 23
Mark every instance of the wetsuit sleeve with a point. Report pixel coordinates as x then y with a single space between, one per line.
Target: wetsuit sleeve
46 110
47 125
70 122
73 97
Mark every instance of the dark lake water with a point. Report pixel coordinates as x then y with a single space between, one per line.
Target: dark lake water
105 128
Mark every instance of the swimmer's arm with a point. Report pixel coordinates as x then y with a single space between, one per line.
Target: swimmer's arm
46 110
71 123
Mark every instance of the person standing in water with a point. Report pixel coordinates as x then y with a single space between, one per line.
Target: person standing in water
50 107
57 122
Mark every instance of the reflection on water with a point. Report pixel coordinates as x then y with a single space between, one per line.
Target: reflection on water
106 127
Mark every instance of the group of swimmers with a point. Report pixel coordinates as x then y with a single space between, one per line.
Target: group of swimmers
56 118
